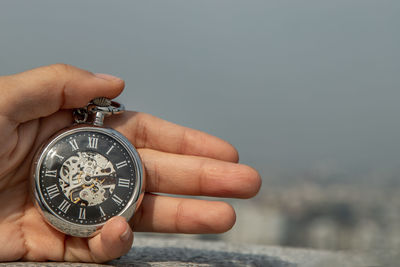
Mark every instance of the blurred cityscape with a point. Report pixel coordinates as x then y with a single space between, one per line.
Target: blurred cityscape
331 217
330 213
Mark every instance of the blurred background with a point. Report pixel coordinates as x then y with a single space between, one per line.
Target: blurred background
308 91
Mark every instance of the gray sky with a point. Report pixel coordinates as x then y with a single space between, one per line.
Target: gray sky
294 85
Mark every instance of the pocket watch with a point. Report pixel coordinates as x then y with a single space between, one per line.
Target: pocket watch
86 174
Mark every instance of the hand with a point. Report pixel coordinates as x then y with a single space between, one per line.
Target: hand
177 160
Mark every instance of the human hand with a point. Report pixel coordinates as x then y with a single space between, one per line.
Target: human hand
177 160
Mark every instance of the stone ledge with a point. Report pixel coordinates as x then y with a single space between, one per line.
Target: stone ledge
185 252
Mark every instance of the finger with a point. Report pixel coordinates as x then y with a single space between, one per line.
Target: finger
42 91
180 215
147 131
191 175
114 240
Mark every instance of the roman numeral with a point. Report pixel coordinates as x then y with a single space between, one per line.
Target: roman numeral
93 142
52 190
123 182
54 154
82 213
64 206
74 145
121 164
117 199
102 212
109 150
51 173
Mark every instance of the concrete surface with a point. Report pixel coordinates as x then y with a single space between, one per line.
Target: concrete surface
183 252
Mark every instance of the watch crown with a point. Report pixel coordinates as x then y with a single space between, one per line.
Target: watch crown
101 101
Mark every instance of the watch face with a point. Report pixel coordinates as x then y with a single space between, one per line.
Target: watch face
88 175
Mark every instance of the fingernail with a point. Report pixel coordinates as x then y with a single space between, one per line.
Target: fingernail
107 77
125 235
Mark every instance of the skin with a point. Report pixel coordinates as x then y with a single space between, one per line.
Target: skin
177 160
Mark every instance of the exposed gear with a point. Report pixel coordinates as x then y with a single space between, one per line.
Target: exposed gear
87 178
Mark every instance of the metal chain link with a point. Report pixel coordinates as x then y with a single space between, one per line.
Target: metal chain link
80 115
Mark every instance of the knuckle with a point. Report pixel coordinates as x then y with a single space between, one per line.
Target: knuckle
60 68
185 141
141 131
58 73
179 217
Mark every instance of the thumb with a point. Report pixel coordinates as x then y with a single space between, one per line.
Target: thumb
114 240
43 91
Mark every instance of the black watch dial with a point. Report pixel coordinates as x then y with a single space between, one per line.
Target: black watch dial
87 177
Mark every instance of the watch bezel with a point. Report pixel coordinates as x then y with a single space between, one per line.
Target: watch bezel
76 229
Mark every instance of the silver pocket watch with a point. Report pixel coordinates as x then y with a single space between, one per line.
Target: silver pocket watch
86 174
